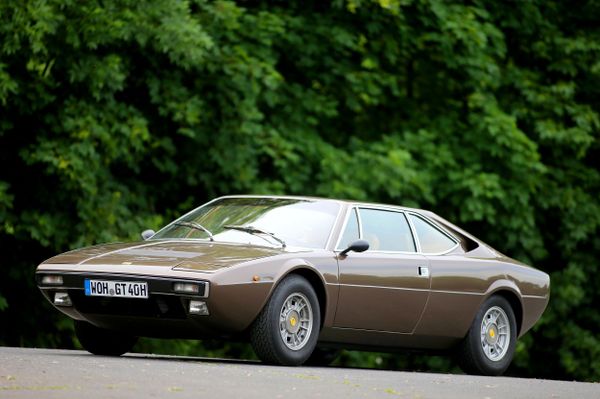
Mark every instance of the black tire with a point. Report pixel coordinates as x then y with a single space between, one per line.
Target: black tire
471 356
265 336
100 341
322 357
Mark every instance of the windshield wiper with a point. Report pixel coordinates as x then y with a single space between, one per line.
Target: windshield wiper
255 230
196 226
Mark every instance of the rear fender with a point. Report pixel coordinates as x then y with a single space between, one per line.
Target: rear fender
512 293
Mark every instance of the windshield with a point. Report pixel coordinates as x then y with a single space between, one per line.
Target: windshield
297 222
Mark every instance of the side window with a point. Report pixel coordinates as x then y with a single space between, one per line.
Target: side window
350 232
386 230
431 239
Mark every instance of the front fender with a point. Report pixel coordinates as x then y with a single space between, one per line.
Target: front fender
240 293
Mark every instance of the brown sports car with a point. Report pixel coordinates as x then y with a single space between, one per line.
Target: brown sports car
300 278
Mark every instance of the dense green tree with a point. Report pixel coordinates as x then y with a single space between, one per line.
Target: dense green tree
119 115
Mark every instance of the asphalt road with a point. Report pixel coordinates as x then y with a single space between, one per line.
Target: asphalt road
43 373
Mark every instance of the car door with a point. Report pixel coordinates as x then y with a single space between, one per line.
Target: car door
457 282
386 287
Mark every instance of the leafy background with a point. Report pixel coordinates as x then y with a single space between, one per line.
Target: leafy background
118 115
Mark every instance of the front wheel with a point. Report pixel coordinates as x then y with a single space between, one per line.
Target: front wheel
286 330
490 343
100 341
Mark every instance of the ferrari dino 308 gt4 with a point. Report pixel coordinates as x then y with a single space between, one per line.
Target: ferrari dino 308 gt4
301 278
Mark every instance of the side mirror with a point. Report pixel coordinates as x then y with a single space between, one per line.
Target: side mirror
146 234
356 246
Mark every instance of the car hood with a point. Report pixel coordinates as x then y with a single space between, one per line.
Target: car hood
192 255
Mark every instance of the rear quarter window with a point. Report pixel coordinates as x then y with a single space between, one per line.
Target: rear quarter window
432 240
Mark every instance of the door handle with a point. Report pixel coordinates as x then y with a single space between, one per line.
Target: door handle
423 271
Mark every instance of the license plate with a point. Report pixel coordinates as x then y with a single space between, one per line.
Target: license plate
119 289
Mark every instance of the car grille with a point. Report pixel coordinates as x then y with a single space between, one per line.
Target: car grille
161 306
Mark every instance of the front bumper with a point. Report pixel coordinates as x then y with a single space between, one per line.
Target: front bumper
165 313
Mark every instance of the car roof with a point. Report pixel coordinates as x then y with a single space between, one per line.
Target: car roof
341 201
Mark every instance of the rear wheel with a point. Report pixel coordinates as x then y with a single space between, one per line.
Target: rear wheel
286 330
100 341
490 343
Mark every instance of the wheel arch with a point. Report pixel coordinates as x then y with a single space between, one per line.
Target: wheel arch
315 280
509 291
515 304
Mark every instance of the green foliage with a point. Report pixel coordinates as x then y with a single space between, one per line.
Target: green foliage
116 116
